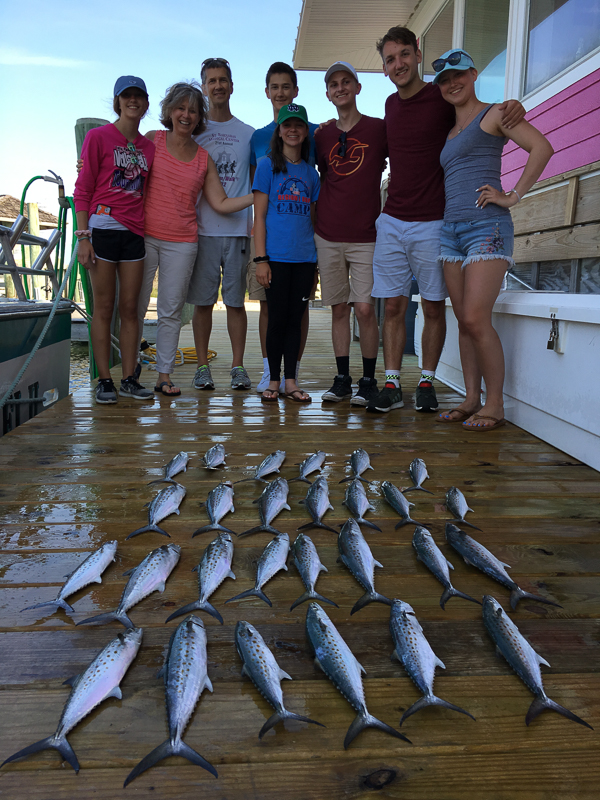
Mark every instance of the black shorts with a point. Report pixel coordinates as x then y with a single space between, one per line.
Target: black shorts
116 246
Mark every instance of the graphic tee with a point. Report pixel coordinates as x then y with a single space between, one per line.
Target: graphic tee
261 143
290 234
350 199
228 144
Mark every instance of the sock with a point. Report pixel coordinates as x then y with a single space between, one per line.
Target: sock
369 367
392 378
343 365
427 376
266 366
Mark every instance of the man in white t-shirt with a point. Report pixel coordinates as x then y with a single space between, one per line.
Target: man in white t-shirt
223 240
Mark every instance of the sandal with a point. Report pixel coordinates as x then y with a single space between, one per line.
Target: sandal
464 415
298 396
496 423
270 396
160 389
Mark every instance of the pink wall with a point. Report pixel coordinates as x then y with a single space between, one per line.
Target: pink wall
571 121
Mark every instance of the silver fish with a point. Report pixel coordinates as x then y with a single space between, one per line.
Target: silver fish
457 506
310 464
89 571
260 666
270 503
398 502
414 652
480 557
218 503
357 503
272 560
418 473
166 502
309 566
99 681
341 666
436 562
317 504
176 465
149 576
269 465
356 554
186 677
521 656
359 462
212 570
213 457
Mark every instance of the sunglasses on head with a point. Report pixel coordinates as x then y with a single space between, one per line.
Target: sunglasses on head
452 60
213 60
131 148
343 144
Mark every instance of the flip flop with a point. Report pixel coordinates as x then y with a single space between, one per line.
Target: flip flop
463 415
496 423
295 396
167 394
270 396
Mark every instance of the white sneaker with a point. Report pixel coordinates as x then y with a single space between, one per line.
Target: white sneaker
264 382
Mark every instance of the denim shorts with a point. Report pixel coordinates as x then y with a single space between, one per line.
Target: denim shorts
478 240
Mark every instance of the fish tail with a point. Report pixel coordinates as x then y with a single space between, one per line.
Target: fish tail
519 594
146 528
452 592
279 716
251 593
545 704
345 480
258 528
213 527
164 750
369 524
56 603
370 597
304 480
198 605
99 619
468 524
50 743
432 700
311 595
161 480
364 720
417 489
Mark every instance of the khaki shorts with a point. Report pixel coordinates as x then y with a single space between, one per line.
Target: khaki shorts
346 270
255 290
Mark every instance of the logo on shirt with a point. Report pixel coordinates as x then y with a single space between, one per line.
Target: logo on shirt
226 161
127 175
293 197
351 162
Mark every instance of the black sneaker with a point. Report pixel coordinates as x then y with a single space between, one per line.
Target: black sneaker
367 391
106 392
341 389
131 388
388 398
425 399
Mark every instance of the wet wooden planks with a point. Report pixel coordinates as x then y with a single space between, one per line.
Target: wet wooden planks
77 475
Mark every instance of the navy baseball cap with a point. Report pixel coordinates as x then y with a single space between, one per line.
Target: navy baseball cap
127 82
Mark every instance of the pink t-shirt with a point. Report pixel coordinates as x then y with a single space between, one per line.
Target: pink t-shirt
172 194
111 178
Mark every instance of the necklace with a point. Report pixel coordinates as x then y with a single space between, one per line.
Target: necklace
464 125
291 160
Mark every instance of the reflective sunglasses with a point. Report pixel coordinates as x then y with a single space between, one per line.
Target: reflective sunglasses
131 148
218 60
452 60
343 144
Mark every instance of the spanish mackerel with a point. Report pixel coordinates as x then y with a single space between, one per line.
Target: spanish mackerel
149 576
356 554
310 464
270 503
521 656
317 504
270 464
260 666
212 570
341 666
398 502
414 652
480 557
185 675
359 462
436 562
213 457
418 473
89 571
457 505
166 502
272 560
218 503
309 566
176 465
99 681
357 503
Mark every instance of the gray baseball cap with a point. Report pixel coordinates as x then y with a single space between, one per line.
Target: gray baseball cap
341 66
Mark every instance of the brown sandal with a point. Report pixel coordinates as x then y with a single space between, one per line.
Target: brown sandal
496 423
463 415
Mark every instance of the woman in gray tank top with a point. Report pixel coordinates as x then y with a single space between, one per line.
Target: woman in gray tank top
477 235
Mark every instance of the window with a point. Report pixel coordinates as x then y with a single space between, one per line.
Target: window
485 36
437 39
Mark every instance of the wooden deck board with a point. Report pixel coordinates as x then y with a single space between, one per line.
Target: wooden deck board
77 475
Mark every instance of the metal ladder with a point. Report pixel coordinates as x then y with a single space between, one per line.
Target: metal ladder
42 267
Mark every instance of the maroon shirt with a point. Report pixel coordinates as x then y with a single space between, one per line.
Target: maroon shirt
416 131
350 199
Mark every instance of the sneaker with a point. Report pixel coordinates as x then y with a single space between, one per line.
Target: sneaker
106 392
137 371
388 398
264 381
240 378
425 399
367 391
131 388
203 378
341 389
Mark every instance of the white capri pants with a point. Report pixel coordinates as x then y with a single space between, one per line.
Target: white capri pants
175 262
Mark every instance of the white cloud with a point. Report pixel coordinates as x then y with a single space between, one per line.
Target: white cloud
14 57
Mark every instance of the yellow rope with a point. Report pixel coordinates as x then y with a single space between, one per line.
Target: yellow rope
185 355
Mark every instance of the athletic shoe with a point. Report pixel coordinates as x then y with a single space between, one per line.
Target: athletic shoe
240 378
388 398
341 389
425 399
137 371
264 381
131 388
106 392
203 378
367 391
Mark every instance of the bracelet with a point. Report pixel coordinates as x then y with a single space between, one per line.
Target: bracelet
259 259
519 198
84 238
86 232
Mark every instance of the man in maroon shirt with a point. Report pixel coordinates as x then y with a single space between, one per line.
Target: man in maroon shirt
351 155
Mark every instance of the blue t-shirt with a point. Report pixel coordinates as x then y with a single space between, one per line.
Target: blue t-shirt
261 142
290 234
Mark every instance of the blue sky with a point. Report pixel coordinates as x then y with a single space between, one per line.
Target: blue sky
59 62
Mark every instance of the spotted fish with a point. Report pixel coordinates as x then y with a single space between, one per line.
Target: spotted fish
166 502
310 464
430 554
458 507
309 566
213 457
356 554
176 465
269 465
398 502
270 503
317 504
418 473
359 462
273 559
357 503
218 503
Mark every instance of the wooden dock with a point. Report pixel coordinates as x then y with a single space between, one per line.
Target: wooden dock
77 476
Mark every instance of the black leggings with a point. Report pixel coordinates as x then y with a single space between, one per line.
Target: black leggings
287 296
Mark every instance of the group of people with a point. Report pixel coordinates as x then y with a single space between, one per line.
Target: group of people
446 221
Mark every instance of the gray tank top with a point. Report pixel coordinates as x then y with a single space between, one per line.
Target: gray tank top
470 160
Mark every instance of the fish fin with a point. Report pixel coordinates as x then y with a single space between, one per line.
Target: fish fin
57 603
196 606
100 619
323 568
50 743
324 527
177 511
129 571
98 579
546 704
251 593
416 489
345 480
319 665
432 700
160 480
364 720
196 568
439 662
208 684
468 524
284 676
285 567
244 671
115 692
73 680
452 592
300 502
308 595
286 506
258 529
368 524
507 566
377 564
279 716
542 660
165 750
402 523
160 587
449 564
370 597
161 671
215 527
147 528
520 594
470 509
231 575
146 505
254 502
395 657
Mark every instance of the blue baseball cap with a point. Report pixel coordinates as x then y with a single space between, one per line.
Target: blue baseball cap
452 59
127 82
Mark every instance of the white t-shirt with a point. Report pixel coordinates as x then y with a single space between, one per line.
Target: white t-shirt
228 144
